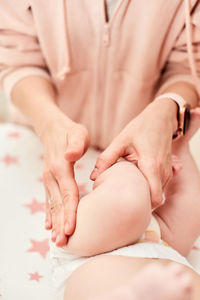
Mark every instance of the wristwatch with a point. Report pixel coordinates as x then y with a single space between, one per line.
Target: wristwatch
183 113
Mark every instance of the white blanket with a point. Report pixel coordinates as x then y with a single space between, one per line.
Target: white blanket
24 260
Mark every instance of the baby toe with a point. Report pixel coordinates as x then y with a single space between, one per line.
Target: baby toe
175 269
186 282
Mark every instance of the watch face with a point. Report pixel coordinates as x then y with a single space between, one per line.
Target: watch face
186 119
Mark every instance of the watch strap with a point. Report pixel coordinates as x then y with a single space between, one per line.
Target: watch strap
182 113
177 98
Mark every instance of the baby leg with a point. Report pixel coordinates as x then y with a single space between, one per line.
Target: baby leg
114 214
121 277
154 282
179 217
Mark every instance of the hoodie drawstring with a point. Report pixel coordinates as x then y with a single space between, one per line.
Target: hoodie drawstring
190 46
63 66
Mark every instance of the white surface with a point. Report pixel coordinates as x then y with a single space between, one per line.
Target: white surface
3 107
19 186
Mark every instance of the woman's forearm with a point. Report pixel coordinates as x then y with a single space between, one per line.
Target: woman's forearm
64 143
35 97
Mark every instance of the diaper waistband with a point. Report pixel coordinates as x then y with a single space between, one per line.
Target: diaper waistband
152 233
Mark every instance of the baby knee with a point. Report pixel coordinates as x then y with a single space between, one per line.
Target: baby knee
127 188
130 200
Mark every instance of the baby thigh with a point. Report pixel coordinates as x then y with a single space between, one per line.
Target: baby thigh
179 217
114 214
104 273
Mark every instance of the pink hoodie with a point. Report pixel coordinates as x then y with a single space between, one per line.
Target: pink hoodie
105 73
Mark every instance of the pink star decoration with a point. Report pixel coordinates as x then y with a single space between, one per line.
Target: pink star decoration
35 206
9 160
41 157
78 166
195 247
13 134
40 247
40 179
35 276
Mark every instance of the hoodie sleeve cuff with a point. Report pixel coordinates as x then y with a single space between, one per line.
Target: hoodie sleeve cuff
185 78
177 78
12 78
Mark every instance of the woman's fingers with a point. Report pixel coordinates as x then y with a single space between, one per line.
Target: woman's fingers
107 158
62 200
56 209
166 170
149 169
75 149
64 144
158 174
77 143
48 219
70 197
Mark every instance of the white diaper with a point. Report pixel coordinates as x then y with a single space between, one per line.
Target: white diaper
64 264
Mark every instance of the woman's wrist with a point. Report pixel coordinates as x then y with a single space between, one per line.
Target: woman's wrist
52 119
167 109
36 97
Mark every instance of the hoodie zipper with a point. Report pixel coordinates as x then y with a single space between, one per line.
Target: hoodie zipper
108 24
102 64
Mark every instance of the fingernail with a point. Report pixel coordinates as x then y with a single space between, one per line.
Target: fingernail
57 239
47 223
163 198
94 173
67 228
53 235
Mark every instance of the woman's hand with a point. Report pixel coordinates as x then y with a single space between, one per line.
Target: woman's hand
148 140
64 143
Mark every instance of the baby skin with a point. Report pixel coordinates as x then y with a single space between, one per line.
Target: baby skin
150 283
117 212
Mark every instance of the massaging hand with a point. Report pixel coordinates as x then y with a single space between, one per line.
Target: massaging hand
147 139
64 143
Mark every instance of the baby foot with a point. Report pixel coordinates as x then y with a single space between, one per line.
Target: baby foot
155 282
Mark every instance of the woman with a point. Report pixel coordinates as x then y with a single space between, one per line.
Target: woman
78 75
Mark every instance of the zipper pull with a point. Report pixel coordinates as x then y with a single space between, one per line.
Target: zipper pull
106 35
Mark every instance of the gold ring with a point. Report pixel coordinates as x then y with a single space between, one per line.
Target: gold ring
51 204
